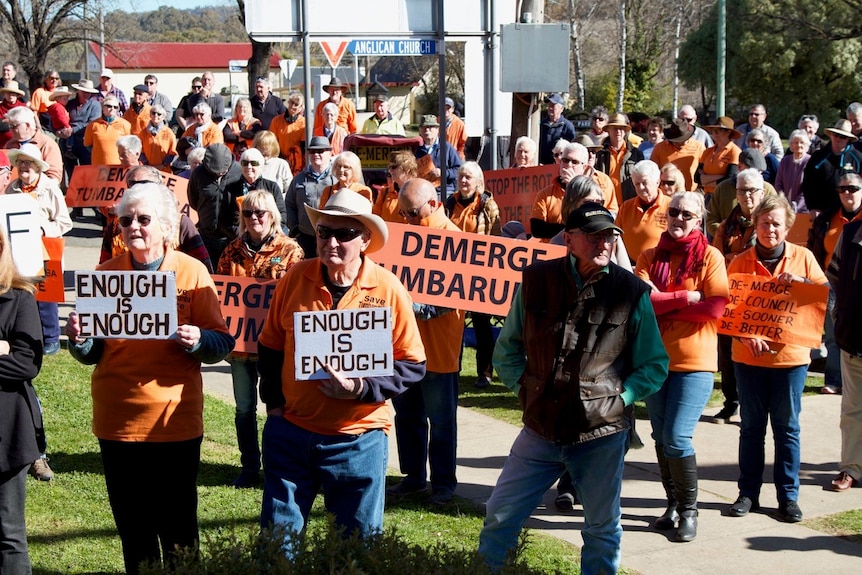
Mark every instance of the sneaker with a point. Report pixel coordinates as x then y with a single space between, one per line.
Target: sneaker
790 512
725 414
830 390
565 501
441 497
403 488
51 348
246 479
482 382
41 470
742 506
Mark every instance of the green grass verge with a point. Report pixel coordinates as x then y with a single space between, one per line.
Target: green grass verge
847 525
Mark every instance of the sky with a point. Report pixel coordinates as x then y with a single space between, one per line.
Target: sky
149 5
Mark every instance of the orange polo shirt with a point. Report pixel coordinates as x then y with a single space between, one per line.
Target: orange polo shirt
291 138
156 148
716 161
102 138
346 114
798 261
686 158
302 289
360 189
442 335
642 228
691 346
138 121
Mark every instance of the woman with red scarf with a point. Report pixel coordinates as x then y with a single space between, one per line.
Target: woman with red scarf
689 294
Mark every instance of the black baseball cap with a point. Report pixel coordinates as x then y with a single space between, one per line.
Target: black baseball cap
591 218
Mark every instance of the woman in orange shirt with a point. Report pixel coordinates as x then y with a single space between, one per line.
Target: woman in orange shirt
719 162
689 295
240 130
402 167
347 170
158 141
289 128
203 130
102 134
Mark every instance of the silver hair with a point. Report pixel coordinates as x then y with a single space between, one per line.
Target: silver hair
131 143
161 200
801 134
159 109
694 197
21 115
577 189
330 107
752 177
580 151
202 107
756 132
854 108
647 169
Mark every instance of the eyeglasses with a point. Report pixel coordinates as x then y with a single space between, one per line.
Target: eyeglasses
342 235
414 213
258 213
747 191
197 87
668 182
565 160
245 163
110 106
599 238
847 189
676 212
126 221
23 163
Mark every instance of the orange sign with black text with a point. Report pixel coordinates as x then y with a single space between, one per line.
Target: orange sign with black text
515 190
244 303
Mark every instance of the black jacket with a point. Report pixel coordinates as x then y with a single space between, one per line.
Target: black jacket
208 196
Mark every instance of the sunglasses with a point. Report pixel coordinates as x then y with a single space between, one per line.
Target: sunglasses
676 212
668 182
24 162
847 189
126 221
342 235
196 87
414 213
156 114
110 106
258 213
245 163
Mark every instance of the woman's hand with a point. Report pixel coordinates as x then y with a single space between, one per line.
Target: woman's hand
788 278
756 346
340 387
73 328
188 336
4 347
695 297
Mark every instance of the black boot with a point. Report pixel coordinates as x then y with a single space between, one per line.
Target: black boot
249 450
684 473
670 517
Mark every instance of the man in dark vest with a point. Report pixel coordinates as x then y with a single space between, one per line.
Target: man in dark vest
580 345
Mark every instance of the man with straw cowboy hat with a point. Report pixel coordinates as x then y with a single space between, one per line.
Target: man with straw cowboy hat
346 110
618 156
827 166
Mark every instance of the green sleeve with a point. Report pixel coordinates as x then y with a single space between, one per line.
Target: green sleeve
649 358
510 358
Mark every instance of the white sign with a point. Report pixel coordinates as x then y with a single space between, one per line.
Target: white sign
354 342
19 220
236 65
131 305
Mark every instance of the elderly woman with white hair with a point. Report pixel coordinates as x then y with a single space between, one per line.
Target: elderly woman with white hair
129 149
524 155
102 133
158 140
148 393
202 129
643 217
260 250
791 168
330 129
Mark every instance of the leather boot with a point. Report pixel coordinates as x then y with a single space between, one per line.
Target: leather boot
670 516
246 438
684 473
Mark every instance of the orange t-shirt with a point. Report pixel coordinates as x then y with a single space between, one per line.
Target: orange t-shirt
456 135
642 229
302 289
102 138
798 261
156 148
716 161
686 158
360 189
152 389
549 203
386 205
691 346
290 139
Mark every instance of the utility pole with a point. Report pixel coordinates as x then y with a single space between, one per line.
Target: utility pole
527 108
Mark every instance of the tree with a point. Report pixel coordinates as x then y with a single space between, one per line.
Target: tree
258 64
38 27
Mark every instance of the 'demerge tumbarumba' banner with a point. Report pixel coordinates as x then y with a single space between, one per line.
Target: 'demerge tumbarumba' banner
764 308
126 304
244 303
515 190
459 270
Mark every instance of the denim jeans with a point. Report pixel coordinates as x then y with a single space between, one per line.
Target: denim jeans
50 318
533 465
832 375
244 373
773 393
434 400
350 468
675 409
14 556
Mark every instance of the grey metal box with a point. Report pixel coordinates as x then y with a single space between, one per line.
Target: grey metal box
534 58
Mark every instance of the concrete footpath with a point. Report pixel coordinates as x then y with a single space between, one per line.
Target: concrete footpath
758 543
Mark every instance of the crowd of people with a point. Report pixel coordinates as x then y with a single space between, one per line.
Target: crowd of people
663 218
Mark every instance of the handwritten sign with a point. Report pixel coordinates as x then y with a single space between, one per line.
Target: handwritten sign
515 190
20 221
762 307
354 342
52 288
244 303
471 272
103 186
132 305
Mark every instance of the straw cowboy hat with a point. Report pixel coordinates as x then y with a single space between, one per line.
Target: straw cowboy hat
348 204
85 85
60 92
724 123
618 121
11 87
842 128
29 152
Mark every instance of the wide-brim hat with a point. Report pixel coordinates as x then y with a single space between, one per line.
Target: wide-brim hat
753 159
724 123
336 83
319 144
618 121
11 87
588 142
429 120
842 128
346 203
29 152
590 218
60 92
679 132
85 85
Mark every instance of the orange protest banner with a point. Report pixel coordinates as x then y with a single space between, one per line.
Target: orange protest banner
427 170
52 288
244 303
515 190
762 307
470 272
103 186
798 232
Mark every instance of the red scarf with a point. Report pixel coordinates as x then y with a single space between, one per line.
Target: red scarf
692 248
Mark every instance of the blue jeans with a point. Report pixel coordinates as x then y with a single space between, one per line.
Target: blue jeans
14 555
434 400
244 373
50 318
350 468
675 409
533 465
773 393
